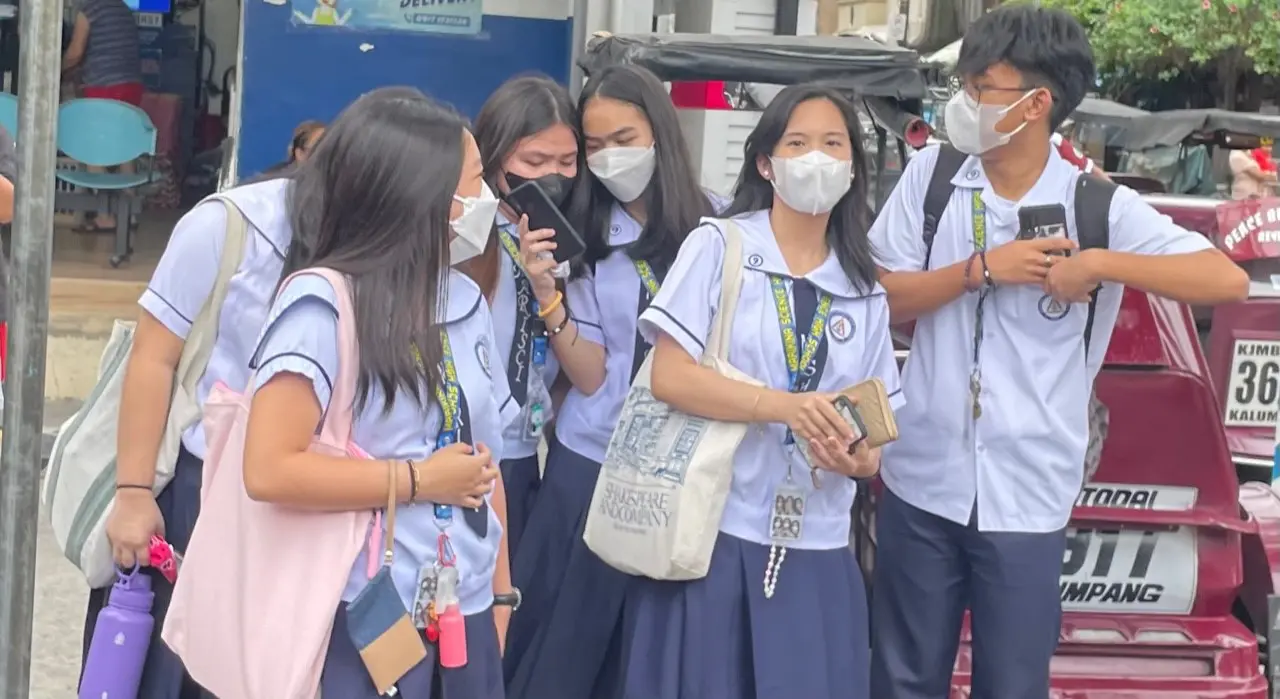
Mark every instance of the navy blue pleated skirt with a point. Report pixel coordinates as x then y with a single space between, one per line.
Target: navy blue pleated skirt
163 675
565 640
521 479
719 638
345 676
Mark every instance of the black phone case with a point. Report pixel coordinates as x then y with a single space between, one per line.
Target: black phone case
529 199
843 404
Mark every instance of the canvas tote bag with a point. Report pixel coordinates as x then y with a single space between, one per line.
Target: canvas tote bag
80 482
253 607
662 487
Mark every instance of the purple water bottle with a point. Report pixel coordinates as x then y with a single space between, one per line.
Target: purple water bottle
113 669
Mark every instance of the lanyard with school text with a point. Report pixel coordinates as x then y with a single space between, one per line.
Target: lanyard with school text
449 396
648 290
979 246
799 360
530 332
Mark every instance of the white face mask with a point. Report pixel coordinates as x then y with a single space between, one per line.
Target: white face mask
625 172
812 183
972 126
473 226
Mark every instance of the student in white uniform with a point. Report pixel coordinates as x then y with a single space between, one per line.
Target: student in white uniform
993 438
177 291
429 402
774 617
634 209
527 132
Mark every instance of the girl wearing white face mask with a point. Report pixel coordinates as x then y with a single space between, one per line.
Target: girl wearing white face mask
634 209
429 408
782 611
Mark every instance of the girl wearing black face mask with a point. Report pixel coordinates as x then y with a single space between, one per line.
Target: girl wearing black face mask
526 131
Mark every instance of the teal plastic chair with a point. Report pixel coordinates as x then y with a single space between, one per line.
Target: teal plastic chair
105 133
9 113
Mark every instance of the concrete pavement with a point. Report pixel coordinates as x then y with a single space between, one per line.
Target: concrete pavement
59 621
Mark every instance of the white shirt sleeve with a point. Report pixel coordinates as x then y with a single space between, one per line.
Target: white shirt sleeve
580 298
301 336
897 236
187 270
1138 228
686 305
881 363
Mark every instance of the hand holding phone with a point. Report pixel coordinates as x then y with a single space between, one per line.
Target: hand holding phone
539 263
530 200
1043 222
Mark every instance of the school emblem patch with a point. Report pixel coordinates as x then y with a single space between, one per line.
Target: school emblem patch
754 261
840 326
482 357
1053 309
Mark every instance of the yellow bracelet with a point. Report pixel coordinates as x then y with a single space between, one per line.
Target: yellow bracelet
551 307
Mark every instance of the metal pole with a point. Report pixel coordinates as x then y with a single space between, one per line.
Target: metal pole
40 41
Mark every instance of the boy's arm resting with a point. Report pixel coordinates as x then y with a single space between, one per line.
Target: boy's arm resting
1203 278
1151 253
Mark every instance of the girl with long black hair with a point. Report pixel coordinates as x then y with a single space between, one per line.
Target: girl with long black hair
428 402
783 610
635 205
527 131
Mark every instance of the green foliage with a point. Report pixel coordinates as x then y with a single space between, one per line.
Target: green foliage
1165 36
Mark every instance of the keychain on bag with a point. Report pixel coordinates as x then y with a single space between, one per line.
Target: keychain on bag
451 626
165 558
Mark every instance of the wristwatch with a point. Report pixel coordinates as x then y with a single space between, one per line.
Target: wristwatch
511 599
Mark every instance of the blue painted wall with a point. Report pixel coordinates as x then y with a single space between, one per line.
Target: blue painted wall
291 73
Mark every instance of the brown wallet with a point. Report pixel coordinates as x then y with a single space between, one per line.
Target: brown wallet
872 402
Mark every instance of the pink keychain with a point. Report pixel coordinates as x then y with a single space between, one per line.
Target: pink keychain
453 628
165 559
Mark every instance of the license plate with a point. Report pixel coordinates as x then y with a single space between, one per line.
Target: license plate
1254 383
1129 570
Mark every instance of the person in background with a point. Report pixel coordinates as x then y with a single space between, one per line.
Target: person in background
1253 173
428 401
994 433
305 137
105 47
178 289
1068 152
802 205
527 132
634 209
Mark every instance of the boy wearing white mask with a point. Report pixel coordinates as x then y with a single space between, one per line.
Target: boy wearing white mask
981 484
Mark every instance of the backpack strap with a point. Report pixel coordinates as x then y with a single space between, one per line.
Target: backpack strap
939 193
1093 228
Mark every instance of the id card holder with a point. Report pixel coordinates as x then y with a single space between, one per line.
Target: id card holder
537 409
425 594
786 519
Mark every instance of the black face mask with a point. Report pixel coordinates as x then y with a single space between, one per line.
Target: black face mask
555 185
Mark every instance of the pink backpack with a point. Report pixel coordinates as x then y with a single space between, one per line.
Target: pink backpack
253 607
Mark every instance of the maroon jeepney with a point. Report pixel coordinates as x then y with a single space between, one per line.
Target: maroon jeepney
1243 339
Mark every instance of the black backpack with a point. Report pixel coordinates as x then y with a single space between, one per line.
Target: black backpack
1093 208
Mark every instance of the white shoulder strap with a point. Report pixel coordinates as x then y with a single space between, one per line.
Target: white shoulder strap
730 288
204 329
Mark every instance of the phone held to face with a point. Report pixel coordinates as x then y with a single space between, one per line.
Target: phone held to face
530 200
1044 221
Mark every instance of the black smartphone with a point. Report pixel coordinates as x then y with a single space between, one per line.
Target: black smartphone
529 199
1044 221
849 412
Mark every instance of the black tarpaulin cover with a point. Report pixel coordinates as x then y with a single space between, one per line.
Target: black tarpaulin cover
865 66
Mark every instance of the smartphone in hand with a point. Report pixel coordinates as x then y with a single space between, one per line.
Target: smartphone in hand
530 200
1044 221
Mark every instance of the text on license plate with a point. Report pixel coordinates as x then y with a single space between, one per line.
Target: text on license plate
1129 570
1254 384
